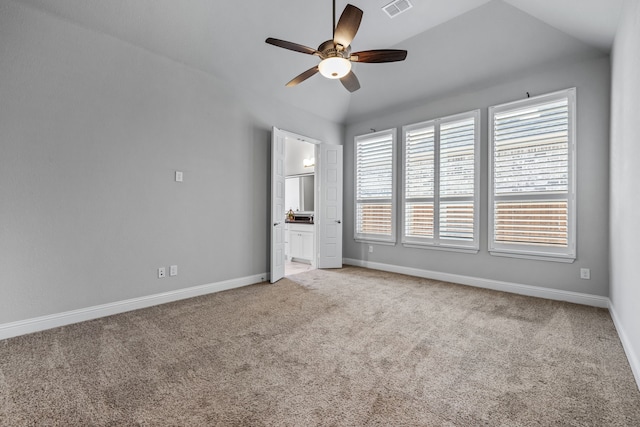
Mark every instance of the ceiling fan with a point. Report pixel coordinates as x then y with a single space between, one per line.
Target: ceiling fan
336 54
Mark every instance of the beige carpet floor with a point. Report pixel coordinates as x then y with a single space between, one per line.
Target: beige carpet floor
346 347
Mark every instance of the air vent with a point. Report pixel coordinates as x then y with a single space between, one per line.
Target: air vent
396 7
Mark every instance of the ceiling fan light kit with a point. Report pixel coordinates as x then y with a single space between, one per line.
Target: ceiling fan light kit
334 68
336 57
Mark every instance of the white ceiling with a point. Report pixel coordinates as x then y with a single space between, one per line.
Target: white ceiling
452 44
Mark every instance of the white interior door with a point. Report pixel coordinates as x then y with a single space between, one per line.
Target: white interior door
330 204
277 204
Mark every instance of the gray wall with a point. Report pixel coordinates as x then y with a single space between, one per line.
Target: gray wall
592 79
91 132
625 176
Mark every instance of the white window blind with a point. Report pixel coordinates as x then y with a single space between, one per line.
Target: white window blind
441 188
532 167
375 186
419 185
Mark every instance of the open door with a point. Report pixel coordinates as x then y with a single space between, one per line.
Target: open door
330 204
277 204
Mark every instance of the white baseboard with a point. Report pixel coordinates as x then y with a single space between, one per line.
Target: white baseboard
514 288
42 323
632 357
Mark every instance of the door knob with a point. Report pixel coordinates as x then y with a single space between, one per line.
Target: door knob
275 224
338 221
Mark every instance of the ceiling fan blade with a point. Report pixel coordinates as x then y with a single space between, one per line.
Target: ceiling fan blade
303 76
348 25
350 82
292 46
381 55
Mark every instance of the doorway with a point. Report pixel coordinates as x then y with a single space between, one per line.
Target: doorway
313 236
300 195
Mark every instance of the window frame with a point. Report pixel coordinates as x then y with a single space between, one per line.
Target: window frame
369 237
537 251
436 242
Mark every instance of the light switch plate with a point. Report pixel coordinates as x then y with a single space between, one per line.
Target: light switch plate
178 176
173 270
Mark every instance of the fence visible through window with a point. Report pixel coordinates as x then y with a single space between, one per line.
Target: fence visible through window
537 223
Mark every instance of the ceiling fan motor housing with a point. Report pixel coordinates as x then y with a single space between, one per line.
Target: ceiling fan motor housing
331 50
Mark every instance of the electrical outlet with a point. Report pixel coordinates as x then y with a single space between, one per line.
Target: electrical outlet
173 270
585 273
161 273
370 249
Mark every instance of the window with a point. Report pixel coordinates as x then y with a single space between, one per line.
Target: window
531 178
375 186
441 182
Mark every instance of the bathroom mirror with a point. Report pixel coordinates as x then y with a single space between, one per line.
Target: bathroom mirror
298 193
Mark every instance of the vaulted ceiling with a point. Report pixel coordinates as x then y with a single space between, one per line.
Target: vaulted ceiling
453 45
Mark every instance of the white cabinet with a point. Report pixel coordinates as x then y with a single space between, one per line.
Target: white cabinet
301 241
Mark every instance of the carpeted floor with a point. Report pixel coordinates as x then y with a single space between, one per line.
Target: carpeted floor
343 347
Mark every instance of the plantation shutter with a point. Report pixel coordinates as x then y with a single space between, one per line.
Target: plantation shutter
532 166
440 189
375 186
457 179
419 181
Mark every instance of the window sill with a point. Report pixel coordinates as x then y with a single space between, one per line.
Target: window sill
376 242
441 248
565 259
